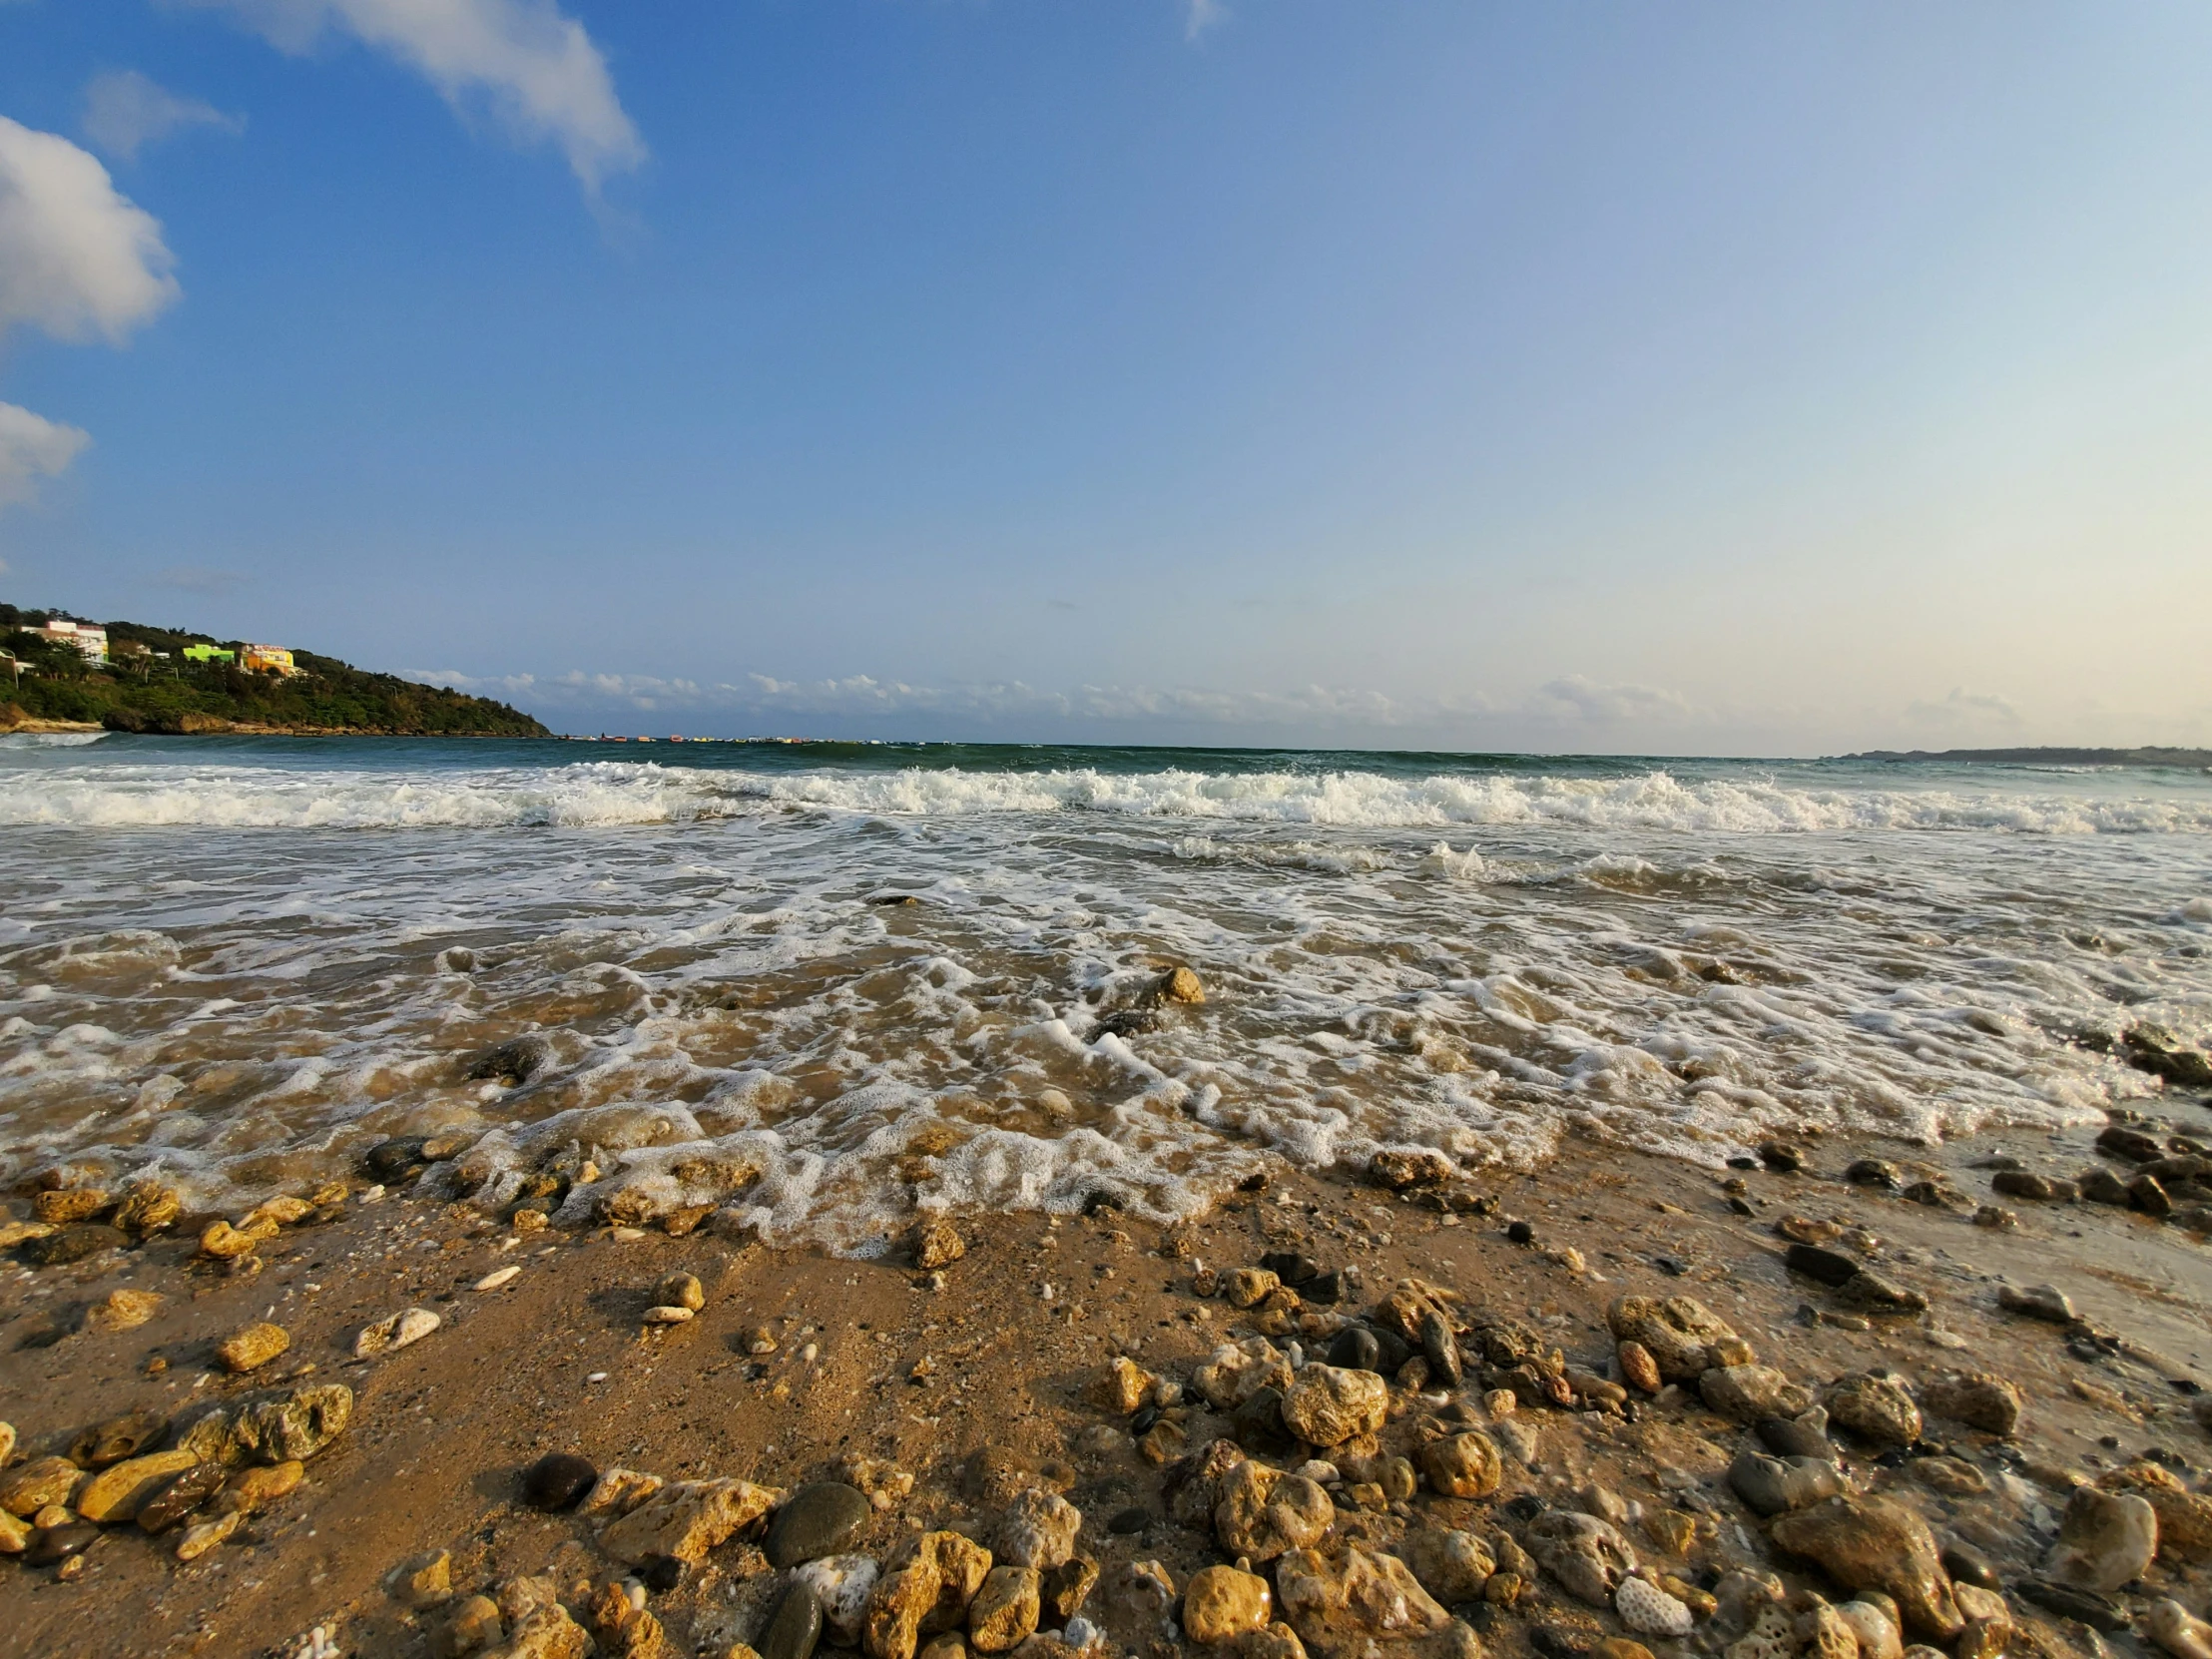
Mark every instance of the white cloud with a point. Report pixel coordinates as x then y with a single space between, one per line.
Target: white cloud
1564 706
1202 15
76 257
535 69
1965 710
1577 699
124 112
33 447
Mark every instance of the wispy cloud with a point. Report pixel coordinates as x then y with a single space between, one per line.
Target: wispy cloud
1562 706
124 112
32 448
1577 699
1965 710
1202 15
532 67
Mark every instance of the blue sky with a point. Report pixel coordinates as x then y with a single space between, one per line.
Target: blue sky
1640 378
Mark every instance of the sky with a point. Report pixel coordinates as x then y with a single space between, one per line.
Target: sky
1725 378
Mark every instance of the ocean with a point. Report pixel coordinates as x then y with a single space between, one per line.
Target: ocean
239 962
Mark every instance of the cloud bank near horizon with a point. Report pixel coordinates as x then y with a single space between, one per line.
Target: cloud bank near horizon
1567 714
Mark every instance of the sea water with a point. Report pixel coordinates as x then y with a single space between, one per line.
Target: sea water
240 962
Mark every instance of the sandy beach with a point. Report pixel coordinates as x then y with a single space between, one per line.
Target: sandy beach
946 1394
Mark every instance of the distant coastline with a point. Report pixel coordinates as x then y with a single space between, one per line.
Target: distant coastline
2153 757
67 675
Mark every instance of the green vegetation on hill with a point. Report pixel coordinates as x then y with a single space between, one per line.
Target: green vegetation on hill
139 690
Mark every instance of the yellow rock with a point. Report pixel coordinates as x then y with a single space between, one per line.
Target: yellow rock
114 1495
280 1211
148 1207
224 1242
123 1309
254 1347
197 1541
252 1489
1121 1388
70 1204
1223 1603
43 1480
1180 984
1004 1610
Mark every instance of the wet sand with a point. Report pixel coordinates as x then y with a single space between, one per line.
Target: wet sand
879 1360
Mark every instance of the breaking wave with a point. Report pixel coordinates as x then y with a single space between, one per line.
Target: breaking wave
125 796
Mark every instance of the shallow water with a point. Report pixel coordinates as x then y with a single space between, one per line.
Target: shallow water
243 961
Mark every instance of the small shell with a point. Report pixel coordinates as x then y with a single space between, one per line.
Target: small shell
492 1280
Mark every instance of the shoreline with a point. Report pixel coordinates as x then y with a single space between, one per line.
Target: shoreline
884 1369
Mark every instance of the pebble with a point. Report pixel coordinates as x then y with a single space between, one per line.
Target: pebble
558 1480
112 1496
2039 1302
1967 1566
796 1628
394 1331
117 1439
1978 1399
1222 1603
668 1316
819 1519
1796 1437
72 1244
1354 1348
681 1290
2179 1632
842 1585
1004 1610
2105 1540
30 1487
123 1309
1875 1409
51 1545
1462 1466
169 1505
496 1278
253 1347
1872 1543
1325 1405
203 1536
1777 1485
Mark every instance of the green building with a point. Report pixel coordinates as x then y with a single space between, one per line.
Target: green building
209 654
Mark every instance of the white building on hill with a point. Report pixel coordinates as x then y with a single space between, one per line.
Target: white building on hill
89 638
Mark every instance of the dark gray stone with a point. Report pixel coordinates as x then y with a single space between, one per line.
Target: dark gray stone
558 1480
1786 1437
1777 1485
821 1519
1829 1267
73 1244
1355 1350
795 1631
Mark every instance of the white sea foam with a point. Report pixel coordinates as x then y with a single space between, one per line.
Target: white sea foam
1486 965
606 793
49 740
